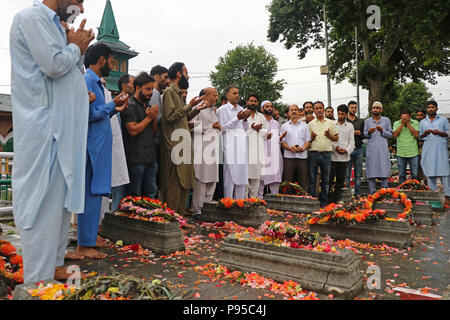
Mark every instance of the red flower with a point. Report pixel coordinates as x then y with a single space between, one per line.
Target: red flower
8 250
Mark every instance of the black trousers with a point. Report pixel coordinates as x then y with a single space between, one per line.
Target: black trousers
338 172
296 170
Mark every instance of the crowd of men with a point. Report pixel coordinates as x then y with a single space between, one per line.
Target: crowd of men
76 145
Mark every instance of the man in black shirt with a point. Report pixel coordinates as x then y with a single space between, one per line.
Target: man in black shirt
140 122
356 158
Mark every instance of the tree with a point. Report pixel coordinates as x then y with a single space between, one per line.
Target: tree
412 43
251 69
412 96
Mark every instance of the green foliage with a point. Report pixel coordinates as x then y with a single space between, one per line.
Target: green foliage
251 69
412 43
412 96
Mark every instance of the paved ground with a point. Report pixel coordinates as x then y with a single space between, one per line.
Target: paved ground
425 264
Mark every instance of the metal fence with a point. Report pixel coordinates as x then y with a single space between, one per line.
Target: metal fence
6 163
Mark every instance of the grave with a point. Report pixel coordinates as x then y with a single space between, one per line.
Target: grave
434 198
291 203
247 216
326 273
393 233
162 238
421 213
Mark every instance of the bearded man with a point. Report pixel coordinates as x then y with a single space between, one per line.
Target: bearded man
50 106
99 58
177 177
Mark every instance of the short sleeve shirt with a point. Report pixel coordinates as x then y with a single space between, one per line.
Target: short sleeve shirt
139 149
407 146
297 134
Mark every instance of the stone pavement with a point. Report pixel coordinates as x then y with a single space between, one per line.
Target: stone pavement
425 265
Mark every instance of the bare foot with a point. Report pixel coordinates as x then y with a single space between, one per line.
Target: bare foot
189 226
101 243
70 255
61 274
90 253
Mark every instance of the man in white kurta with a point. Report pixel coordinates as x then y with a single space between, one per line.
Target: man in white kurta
206 152
272 172
257 134
342 149
233 121
50 116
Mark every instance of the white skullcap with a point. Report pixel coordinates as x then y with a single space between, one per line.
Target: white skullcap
377 104
264 103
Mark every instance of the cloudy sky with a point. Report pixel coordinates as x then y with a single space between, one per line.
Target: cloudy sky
198 32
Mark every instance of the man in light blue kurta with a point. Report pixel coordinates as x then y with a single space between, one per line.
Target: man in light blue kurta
378 130
50 116
434 133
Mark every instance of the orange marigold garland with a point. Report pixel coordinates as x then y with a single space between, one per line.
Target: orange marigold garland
11 264
413 185
350 213
396 194
227 203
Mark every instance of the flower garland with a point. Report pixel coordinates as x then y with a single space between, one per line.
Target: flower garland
146 209
292 188
413 185
351 213
227 203
394 193
11 264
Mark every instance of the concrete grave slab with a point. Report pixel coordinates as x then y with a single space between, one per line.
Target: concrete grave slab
393 233
291 203
158 237
247 217
321 272
421 213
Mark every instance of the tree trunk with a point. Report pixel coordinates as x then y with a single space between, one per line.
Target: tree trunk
375 90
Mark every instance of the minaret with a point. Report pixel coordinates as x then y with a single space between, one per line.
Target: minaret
108 33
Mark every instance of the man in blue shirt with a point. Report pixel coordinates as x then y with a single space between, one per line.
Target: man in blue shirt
50 106
99 58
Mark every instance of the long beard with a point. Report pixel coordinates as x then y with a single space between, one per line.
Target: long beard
184 83
268 112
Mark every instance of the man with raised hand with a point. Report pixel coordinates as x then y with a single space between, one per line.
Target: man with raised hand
99 59
296 141
177 178
50 105
378 130
434 133
257 135
139 137
406 130
273 167
206 151
233 121
323 134
340 157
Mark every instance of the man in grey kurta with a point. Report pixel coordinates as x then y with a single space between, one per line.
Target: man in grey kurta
50 115
378 130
